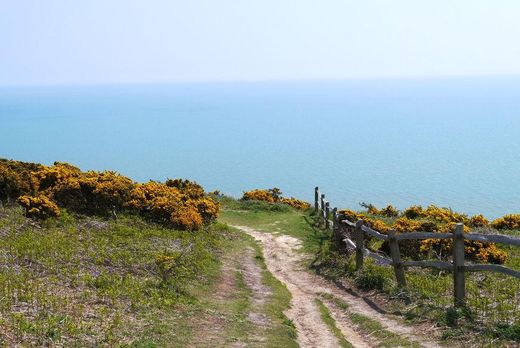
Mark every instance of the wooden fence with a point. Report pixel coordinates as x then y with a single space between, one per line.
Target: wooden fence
356 241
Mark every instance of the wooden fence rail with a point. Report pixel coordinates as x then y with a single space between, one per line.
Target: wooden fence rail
359 231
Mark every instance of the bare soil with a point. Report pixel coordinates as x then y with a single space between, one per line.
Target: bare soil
286 263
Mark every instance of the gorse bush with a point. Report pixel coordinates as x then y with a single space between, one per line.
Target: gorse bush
274 195
16 179
182 204
507 222
433 219
295 203
259 195
39 207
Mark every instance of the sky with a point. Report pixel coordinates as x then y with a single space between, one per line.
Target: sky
125 41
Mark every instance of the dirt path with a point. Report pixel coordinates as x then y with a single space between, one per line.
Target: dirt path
285 263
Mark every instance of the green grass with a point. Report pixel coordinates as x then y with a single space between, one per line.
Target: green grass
231 312
493 301
282 219
93 282
331 323
371 328
84 281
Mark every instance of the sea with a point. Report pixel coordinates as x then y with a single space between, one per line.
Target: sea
453 142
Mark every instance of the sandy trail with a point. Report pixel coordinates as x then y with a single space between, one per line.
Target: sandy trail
285 263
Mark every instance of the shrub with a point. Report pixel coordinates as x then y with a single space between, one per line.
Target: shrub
180 203
370 279
259 195
444 215
389 211
413 212
379 226
371 209
190 189
16 179
274 195
478 221
507 222
351 215
186 218
38 207
208 209
155 200
105 191
296 203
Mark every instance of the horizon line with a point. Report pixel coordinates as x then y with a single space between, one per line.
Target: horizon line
253 81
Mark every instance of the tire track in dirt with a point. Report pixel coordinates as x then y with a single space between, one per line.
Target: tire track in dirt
285 263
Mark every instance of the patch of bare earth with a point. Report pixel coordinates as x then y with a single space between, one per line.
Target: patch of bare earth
285 263
212 329
252 274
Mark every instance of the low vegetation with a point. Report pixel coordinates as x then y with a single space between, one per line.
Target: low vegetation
491 317
274 195
331 323
371 328
43 190
430 219
93 258
89 281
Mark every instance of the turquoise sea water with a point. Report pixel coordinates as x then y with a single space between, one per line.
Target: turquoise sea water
451 142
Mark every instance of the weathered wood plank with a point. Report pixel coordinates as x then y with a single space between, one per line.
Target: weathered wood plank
380 259
493 268
396 259
374 233
349 223
429 264
358 235
350 243
493 238
459 281
316 199
327 213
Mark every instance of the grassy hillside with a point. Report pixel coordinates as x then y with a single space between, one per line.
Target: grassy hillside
86 281
92 281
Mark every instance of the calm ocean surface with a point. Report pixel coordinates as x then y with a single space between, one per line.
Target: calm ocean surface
451 142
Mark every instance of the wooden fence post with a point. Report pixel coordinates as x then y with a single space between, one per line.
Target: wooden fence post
334 219
322 205
396 259
327 213
316 199
359 235
459 282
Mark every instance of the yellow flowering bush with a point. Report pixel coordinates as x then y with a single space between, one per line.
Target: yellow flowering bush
259 195
351 215
296 203
478 221
274 195
42 189
190 189
507 222
389 211
186 218
434 219
38 207
16 179
155 200
207 208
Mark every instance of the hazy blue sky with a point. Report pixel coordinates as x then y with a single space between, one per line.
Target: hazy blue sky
98 41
